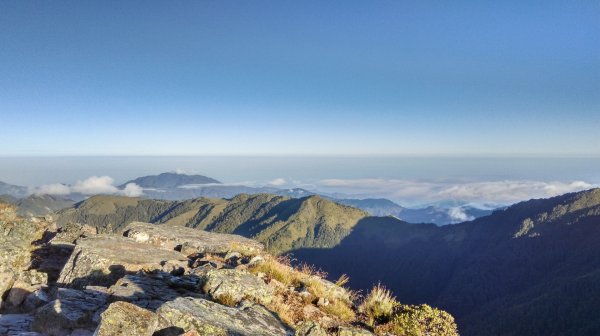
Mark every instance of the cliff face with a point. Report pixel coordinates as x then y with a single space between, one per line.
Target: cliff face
149 279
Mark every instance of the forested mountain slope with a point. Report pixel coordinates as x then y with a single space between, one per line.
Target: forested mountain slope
282 223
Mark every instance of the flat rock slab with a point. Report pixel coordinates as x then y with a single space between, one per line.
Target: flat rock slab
102 260
210 318
190 241
122 318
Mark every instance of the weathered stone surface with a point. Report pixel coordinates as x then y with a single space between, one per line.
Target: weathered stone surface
103 259
143 291
25 283
72 309
17 237
210 318
310 328
15 324
189 240
122 318
237 285
70 232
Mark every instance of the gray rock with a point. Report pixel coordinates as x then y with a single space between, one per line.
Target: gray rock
103 259
237 285
210 318
142 290
191 241
72 309
122 318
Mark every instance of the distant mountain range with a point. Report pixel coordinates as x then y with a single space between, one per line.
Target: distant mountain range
281 223
37 205
13 190
177 187
173 186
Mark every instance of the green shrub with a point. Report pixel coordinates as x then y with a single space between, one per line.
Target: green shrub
421 320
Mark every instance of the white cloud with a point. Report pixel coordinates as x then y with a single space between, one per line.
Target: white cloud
132 190
411 191
95 185
91 186
52 189
457 214
180 171
277 182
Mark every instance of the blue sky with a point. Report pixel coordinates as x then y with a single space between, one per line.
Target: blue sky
300 77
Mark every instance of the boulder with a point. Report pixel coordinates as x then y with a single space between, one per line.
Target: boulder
190 241
103 259
210 318
122 318
237 285
72 309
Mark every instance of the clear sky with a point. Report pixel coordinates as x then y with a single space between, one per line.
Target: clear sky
299 77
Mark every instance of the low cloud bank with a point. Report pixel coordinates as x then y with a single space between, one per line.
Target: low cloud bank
91 186
278 182
411 191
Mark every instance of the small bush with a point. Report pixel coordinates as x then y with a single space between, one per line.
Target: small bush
378 305
419 320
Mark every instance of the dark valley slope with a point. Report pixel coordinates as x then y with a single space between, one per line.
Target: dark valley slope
531 269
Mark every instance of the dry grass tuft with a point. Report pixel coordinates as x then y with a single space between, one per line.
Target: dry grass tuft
378 305
226 300
341 310
342 281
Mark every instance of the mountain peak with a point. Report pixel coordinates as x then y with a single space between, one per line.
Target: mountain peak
170 180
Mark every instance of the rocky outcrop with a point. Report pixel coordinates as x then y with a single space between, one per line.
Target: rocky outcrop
190 241
17 242
103 259
210 318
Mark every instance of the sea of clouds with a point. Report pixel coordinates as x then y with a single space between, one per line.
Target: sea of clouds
91 186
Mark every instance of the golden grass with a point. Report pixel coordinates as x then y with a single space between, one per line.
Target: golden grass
378 305
340 309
